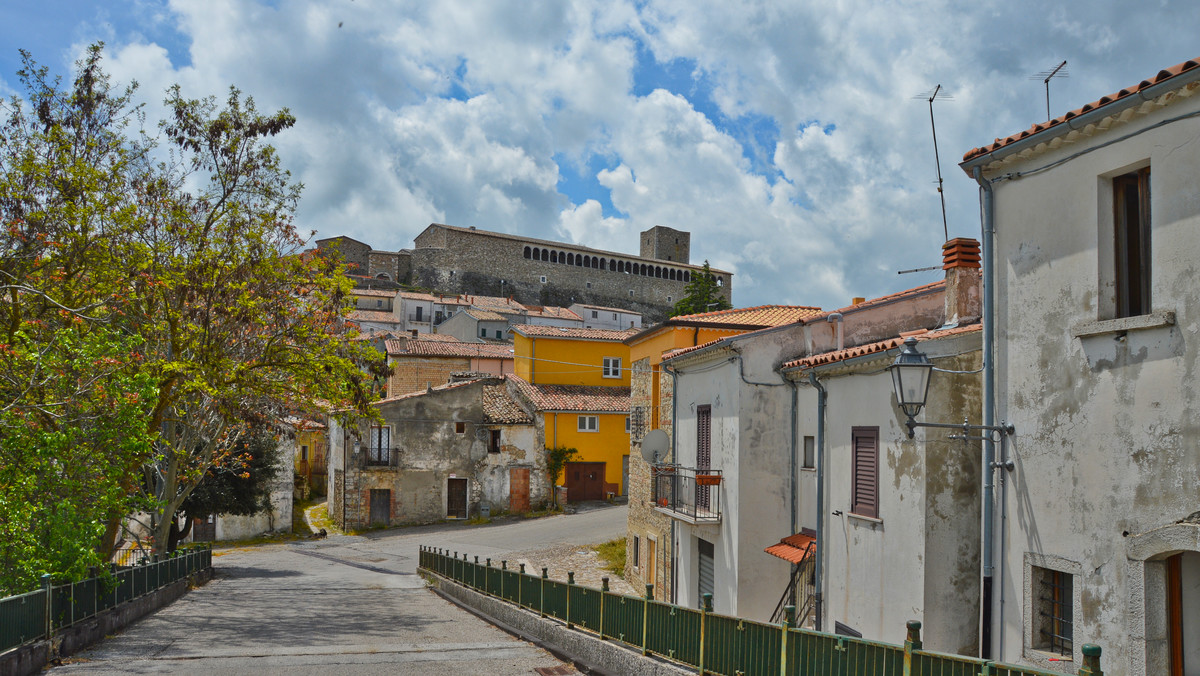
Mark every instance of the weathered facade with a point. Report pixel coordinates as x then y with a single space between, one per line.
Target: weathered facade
440 454
1097 234
457 260
418 364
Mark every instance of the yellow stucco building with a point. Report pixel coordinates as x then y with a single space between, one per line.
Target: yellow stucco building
578 382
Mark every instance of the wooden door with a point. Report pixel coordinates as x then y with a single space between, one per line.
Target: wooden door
456 498
204 530
585 481
518 489
381 506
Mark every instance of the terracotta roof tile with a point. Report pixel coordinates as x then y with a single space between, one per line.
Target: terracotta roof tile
484 315
499 407
1162 76
593 398
446 348
384 293
413 295
373 316
539 331
890 298
793 548
876 347
759 315
608 309
422 393
671 354
552 311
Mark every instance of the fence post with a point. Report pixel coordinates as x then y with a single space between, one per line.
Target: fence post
503 567
475 575
603 591
646 615
704 611
48 592
570 583
911 642
542 594
520 585
1091 660
789 618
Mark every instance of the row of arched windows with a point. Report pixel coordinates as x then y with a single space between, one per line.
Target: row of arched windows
612 265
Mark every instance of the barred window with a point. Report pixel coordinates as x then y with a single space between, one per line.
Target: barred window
1053 602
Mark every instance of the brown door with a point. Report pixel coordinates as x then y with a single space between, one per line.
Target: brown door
456 499
204 530
381 506
518 489
585 481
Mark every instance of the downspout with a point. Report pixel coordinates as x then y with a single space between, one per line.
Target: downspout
987 208
674 419
818 583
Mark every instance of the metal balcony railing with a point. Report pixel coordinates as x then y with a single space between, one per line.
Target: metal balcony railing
691 494
368 458
423 318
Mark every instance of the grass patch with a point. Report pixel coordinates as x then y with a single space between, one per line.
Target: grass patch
612 553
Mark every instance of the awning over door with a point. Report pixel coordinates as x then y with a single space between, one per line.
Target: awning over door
793 548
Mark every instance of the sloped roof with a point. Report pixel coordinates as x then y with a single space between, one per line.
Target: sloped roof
373 316
499 407
432 390
890 298
584 398
484 315
448 348
538 331
1105 101
415 295
552 311
876 347
759 315
793 548
384 293
609 309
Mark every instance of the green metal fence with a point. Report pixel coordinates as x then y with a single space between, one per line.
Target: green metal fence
38 614
716 644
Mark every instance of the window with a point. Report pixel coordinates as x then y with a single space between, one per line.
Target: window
703 451
1053 605
1131 221
595 314
494 441
614 316
543 279
378 303
379 450
631 293
612 367
499 334
810 453
589 285
419 309
460 427
627 425
304 453
636 550
589 423
864 489
482 332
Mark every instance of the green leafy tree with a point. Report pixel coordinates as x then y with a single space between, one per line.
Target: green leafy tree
241 488
556 461
702 294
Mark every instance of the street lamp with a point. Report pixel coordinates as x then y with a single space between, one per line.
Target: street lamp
910 377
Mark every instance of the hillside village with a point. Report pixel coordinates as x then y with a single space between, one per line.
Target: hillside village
999 465
1023 505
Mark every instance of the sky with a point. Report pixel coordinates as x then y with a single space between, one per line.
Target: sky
788 137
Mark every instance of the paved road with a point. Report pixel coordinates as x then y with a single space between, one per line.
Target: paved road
344 605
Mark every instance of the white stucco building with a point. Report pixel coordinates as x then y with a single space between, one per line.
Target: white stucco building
1096 216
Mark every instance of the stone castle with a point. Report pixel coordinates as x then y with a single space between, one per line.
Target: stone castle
454 260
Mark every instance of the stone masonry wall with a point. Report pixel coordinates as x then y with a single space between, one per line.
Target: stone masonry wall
643 521
412 374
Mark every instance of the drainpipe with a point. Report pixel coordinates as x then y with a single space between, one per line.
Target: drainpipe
818 583
989 414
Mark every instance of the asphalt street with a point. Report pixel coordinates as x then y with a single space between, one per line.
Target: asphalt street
342 605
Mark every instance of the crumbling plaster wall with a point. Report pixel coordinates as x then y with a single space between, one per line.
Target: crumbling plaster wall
1106 424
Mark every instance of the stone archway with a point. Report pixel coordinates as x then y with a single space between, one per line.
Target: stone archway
1146 572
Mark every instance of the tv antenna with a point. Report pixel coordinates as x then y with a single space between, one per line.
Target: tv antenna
930 96
1046 76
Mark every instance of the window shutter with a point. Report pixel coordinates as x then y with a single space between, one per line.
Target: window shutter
703 437
864 492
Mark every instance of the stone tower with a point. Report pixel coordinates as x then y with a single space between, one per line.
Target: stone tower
667 244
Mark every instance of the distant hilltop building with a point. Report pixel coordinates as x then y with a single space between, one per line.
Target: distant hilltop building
453 260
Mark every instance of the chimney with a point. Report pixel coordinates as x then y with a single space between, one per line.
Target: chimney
964 297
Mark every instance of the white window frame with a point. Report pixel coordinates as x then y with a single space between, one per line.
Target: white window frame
589 423
627 426
611 367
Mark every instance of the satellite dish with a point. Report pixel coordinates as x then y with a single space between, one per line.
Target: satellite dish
654 445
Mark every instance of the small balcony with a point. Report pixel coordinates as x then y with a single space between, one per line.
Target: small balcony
689 494
375 458
418 319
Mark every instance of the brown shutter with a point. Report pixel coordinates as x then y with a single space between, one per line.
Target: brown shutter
864 492
703 437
